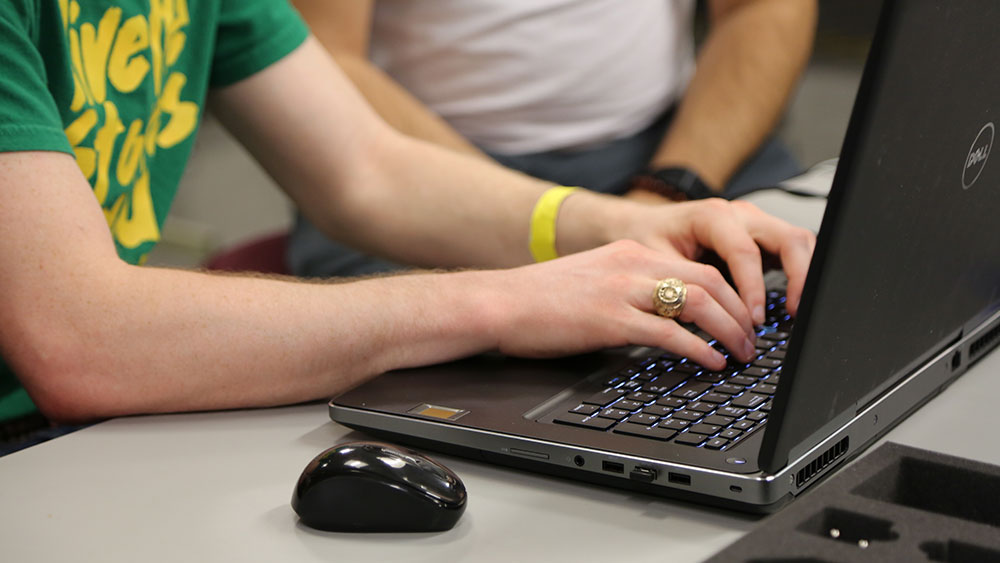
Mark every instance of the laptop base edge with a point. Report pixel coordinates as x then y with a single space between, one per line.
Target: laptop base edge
545 468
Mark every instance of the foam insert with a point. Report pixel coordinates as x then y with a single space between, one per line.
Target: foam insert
897 503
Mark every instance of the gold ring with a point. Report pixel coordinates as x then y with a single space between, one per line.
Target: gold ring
669 298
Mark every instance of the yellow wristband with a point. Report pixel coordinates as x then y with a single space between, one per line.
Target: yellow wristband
543 223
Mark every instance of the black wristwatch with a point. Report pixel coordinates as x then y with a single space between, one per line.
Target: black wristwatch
676 183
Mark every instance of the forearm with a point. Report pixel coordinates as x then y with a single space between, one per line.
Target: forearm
454 210
90 336
367 185
155 340
399 108
746 72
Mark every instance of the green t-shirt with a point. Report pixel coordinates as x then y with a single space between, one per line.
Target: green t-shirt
120 84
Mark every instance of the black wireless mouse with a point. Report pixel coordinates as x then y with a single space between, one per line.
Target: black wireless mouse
376 487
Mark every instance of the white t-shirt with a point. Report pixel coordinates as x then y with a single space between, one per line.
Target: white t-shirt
523 76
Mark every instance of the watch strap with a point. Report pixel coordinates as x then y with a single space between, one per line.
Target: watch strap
674 182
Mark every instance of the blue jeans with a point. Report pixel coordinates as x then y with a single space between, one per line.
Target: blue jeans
37 437
607 168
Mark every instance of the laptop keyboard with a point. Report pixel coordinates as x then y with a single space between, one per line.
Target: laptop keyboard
664 397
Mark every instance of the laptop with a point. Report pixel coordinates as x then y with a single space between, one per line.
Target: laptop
902 296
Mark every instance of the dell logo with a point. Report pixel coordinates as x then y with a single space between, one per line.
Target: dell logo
977 156
979 153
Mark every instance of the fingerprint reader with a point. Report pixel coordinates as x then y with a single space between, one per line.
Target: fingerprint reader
435 411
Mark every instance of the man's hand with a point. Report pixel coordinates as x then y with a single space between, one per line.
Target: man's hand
737 231
604 298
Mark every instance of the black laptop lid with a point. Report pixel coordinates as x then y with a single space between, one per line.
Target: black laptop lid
909 249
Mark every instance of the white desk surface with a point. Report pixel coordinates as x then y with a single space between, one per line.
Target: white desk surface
217 486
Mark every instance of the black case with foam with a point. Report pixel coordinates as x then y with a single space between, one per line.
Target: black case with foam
896 504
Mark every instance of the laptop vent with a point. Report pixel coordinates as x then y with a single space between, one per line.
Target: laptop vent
984 344
821 461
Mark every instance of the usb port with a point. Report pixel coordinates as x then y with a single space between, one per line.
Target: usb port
613 467
679 478
644 474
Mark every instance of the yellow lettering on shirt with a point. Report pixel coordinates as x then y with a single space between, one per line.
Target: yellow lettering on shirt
128 217
132 153
96 48
82 94
104 144
175 37
112 58
183 115
127 68
156 41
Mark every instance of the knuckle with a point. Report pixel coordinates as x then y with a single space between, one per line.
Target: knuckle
715 206
703 273
627 245
675 340
712 275
627 250
744 206
805 236
798 237
747 250
697 298
618 280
